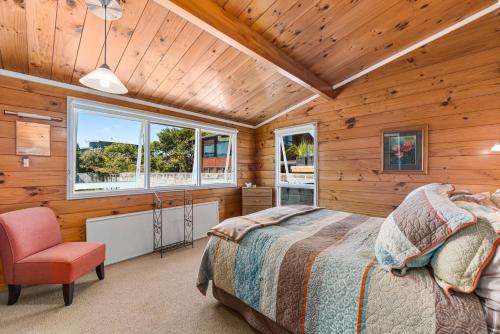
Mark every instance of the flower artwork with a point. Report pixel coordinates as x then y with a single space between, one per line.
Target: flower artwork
404 150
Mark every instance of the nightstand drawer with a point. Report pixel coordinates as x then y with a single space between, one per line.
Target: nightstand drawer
257 192
268 200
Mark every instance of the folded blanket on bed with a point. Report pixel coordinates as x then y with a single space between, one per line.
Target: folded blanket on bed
316 273
234 229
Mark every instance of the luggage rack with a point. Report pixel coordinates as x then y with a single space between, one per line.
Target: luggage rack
159 229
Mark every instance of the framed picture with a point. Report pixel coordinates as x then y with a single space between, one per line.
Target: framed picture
404 150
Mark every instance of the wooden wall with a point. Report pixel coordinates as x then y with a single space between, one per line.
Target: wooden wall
44 182
452 84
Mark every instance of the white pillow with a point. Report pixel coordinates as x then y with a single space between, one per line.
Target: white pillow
488 287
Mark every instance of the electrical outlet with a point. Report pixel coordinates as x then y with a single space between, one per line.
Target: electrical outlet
26 162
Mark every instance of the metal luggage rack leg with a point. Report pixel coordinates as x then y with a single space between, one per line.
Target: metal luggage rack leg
159 229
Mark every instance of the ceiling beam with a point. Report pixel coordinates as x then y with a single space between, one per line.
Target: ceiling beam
210 17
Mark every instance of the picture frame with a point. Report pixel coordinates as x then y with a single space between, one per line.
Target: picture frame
404 150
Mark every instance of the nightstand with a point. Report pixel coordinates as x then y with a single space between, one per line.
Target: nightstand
256 199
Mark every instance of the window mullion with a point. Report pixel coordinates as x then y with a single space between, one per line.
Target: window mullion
72 153
228 151
140 146
285 161
147 155
197 166
234 167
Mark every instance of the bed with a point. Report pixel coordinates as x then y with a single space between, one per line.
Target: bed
316 272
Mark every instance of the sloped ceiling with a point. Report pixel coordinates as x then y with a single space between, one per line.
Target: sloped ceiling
163 58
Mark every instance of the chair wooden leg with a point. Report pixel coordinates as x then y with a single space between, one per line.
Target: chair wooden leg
100 271
14 293
68 290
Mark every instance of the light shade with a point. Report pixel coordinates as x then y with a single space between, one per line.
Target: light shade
113 9
103 79
496 147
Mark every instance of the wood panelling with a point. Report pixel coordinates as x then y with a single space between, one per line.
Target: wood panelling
210 17
69 25
163 58
158 55
337 39
452 84
44 182
13 36
41 21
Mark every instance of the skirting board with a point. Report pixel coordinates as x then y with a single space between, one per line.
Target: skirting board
131 235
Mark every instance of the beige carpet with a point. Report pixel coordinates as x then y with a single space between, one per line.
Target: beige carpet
142 295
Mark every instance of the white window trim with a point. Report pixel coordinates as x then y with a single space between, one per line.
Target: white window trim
88 106
295 130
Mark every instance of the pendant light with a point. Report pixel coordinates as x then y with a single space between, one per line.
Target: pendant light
102 78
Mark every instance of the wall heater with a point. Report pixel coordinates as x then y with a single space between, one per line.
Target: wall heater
130 235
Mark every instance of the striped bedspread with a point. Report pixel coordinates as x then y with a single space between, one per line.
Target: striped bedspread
316 273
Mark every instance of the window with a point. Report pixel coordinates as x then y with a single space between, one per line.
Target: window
116 151
296 172
218 164
173 152
109 153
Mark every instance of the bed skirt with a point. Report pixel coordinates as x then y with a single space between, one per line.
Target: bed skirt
258 321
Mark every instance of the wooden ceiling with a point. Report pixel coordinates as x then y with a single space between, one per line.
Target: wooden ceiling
163 58
338 38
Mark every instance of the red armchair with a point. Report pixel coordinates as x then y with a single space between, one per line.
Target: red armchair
32 252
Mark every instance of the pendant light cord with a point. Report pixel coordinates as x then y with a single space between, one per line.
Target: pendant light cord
105 35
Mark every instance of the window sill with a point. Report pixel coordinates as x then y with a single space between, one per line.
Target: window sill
126 192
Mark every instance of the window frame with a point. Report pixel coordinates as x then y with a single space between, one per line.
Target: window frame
290 131
74 105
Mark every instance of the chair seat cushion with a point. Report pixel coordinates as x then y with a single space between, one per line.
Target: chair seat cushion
61 264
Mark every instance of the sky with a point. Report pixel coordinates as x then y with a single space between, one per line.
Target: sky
92 127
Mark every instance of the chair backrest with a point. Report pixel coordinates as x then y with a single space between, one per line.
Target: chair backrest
24 233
